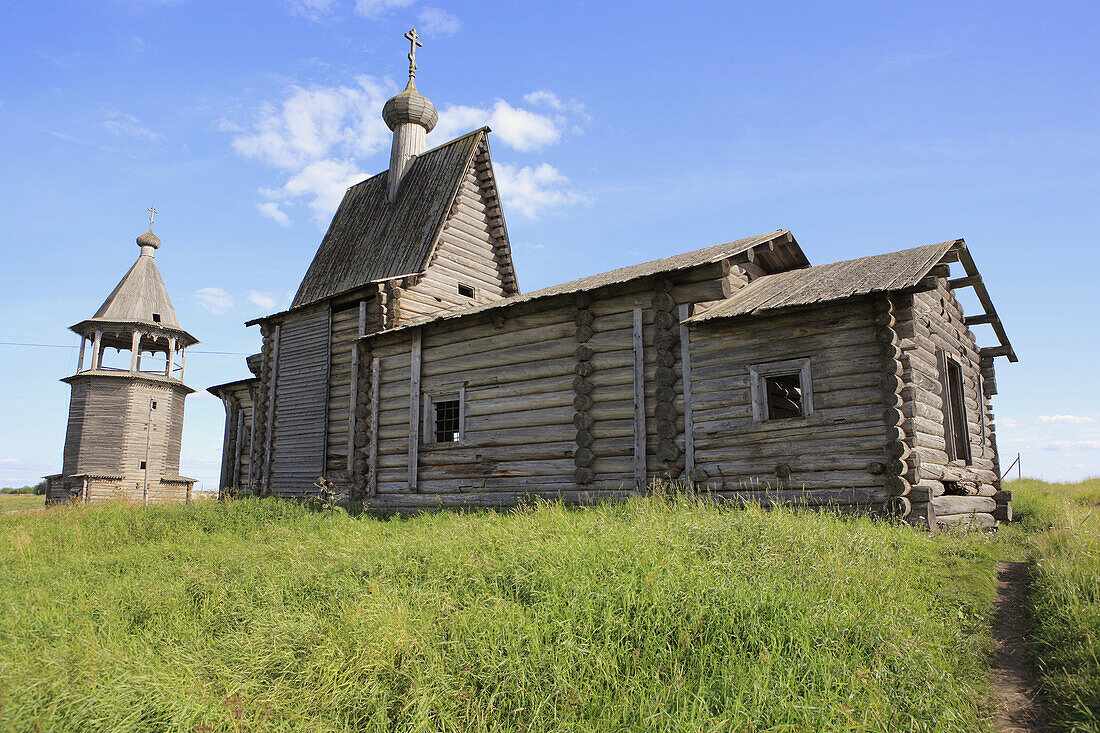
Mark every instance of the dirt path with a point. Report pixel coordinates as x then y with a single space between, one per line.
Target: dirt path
1015 683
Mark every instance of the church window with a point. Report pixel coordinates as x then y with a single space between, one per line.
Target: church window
444 417
142 466
156 318
781 390
466 291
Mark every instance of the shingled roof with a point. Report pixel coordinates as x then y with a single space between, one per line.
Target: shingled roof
371 240
835 281
780 244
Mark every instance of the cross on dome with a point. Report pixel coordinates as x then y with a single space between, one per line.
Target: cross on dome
414 41
152 210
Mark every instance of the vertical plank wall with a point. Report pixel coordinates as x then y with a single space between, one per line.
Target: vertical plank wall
298 450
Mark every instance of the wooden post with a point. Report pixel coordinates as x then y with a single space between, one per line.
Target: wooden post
353 401
84 489
251 435
639 403
170 357
96 355
235 479
414 407
362 318
271 409
135 347
183 361
80 359
223 479
685 378
372 455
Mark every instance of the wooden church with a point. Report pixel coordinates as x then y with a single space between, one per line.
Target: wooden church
125 425
412 373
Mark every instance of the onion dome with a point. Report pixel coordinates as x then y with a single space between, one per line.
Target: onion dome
410 106
148 239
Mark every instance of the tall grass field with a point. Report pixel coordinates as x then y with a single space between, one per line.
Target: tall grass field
658 614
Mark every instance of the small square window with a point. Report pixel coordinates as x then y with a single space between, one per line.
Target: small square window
466 291
448 421
142 466
156 318
154 405
784 396
781 390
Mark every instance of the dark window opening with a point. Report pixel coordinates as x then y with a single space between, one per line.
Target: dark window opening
448 421
466 291
154 405
142 465
784 396
956 432
156 318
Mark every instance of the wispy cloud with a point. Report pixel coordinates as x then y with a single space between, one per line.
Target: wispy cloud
215 300
546 98
120 124
438 22
534 191
316 10
905 60
1073 446
10 460
314 136
1007 422
1067 419
377 8
518 128
271 210
261 300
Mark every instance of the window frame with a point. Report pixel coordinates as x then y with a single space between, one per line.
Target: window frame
467 286
758 374
448 394
951 435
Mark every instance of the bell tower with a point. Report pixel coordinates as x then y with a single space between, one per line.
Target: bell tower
126 410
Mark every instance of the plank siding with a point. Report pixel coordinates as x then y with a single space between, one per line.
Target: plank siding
300 406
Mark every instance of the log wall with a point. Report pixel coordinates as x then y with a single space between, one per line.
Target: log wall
930 321
831 456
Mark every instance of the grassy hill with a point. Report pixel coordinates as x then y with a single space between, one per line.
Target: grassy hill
657 614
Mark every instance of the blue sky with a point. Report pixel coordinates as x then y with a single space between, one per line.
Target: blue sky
618 137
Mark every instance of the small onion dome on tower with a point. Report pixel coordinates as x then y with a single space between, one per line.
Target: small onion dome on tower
148 239
410 116
410 106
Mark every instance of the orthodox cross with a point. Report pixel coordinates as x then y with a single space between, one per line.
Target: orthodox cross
152 210
414 41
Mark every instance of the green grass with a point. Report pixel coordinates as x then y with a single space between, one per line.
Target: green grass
653 615
12 502
1063 525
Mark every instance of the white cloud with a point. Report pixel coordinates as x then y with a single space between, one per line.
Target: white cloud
271 210
124 125
534 191
546 98
1070 419
215 300
377 8
1073 446
10 460
1007 422
518 128
262 300
313 9
314 135
438 22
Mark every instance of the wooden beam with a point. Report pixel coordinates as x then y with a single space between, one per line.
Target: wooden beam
639 403
964 282
135 348
353 400
685 377
328 391
270 438
372 454
80 359
995 351
983 297
414 406
978 320
237 446
223 479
